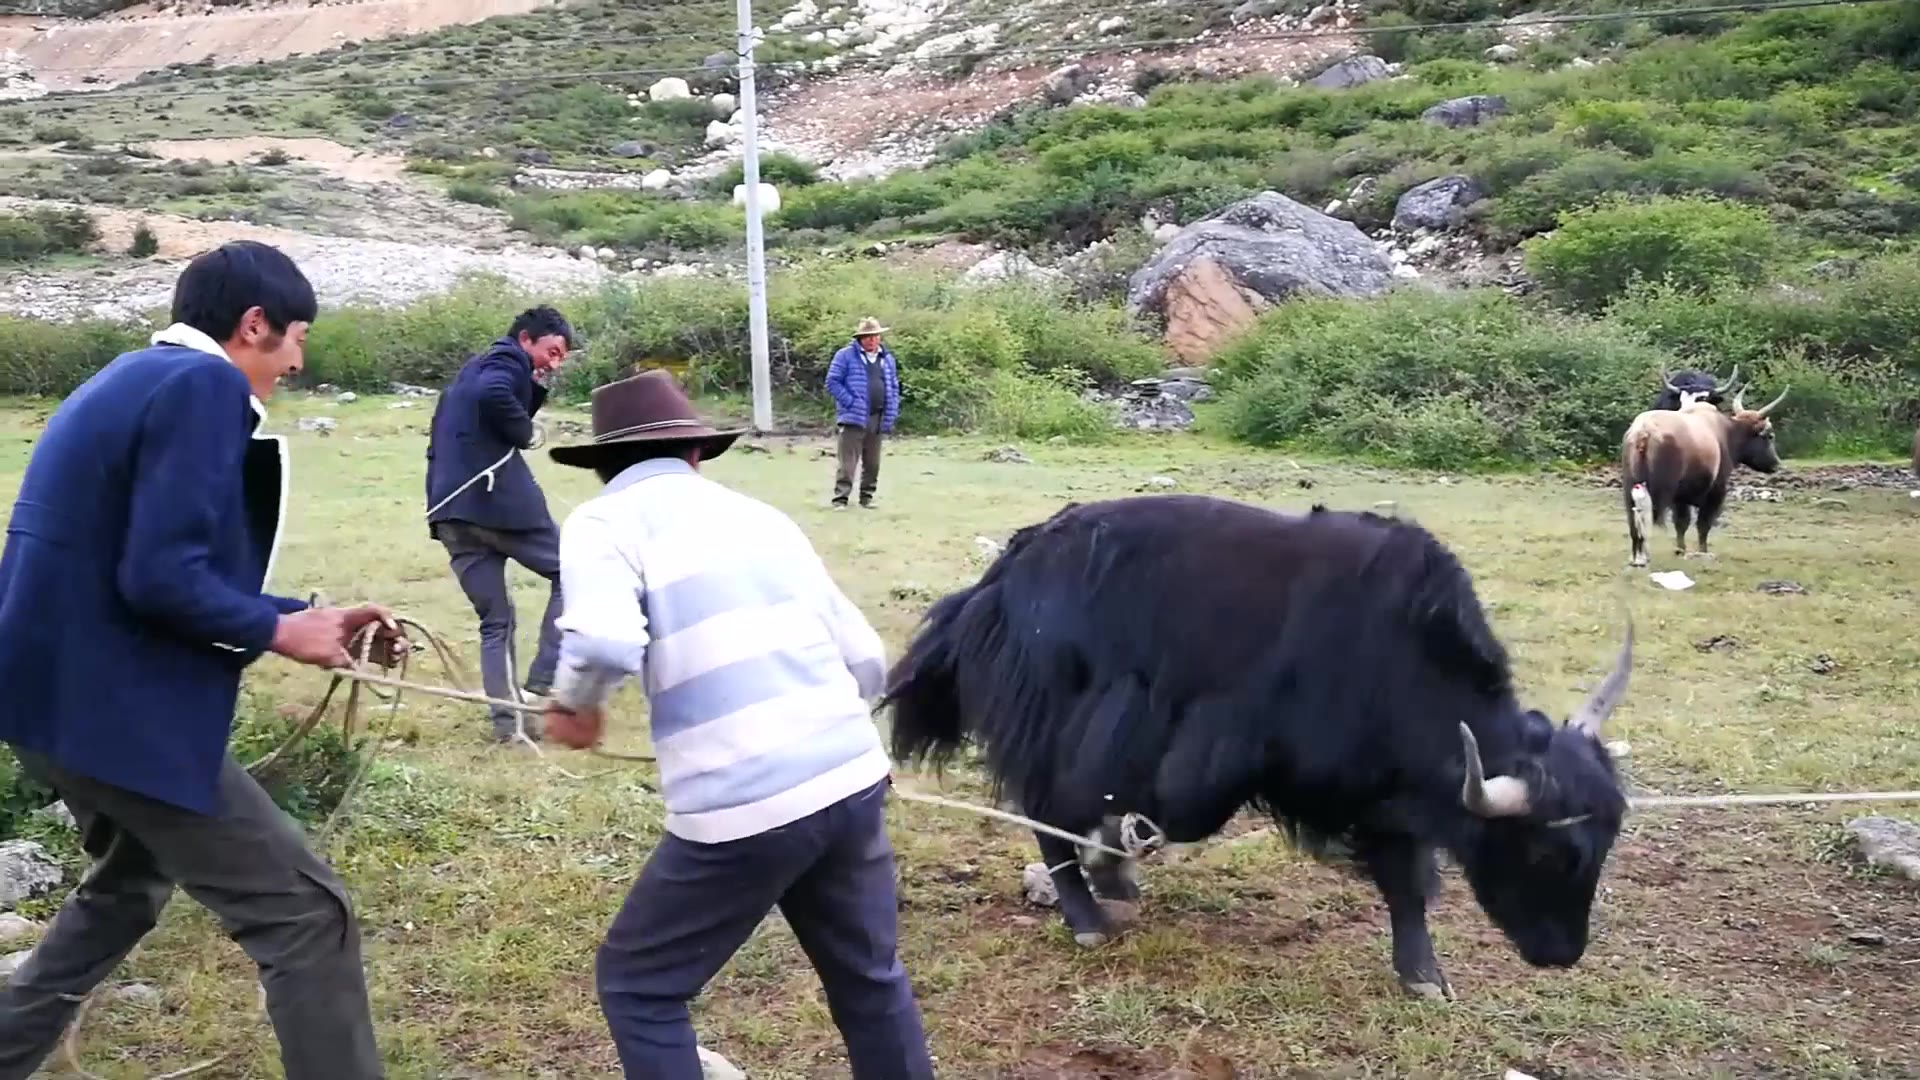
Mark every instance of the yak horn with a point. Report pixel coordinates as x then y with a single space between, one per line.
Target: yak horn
1775 403
1667 378
1502 796
1600 704
1732 381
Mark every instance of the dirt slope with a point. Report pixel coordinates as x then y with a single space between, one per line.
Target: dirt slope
117 48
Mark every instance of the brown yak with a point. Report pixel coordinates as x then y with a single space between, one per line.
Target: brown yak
1681 460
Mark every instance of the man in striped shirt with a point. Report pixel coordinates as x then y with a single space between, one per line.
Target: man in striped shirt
758 673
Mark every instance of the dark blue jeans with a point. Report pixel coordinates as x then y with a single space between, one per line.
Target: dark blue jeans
694 905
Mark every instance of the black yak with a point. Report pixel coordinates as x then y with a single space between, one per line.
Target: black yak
1183 657
1680 462
1701 384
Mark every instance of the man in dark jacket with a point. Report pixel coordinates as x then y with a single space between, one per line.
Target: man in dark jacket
864 382
484 506
130 602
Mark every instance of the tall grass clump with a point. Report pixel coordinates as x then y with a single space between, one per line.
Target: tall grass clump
1694 244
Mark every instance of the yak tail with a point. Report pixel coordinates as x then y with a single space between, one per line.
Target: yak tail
1642 509
923 687
961 630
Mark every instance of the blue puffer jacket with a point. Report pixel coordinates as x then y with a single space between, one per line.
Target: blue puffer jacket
847 383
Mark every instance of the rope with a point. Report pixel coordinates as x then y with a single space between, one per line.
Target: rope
1658 802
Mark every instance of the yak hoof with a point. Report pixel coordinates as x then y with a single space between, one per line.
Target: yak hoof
1426 990
1090 940
1121 912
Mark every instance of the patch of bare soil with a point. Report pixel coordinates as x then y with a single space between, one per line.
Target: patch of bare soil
850 116
71 55
322 155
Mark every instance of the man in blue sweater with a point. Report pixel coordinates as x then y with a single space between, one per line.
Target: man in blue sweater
484 505
130 603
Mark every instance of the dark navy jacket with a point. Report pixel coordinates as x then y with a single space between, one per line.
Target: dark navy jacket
486 411
130 584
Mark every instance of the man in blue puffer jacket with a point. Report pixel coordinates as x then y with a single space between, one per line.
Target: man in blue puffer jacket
864 382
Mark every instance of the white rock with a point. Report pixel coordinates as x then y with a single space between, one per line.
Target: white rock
139 995
769 198
1889 843
16 928
1580 62
669 89
724 105
587 253
1165 233
715 1067
1112 23
347 398
1502 54
12 961
1039 885
720 133
489 153
657 180
608 254
815 38
1009 266
1672 580
26 871
321 424
1163 483
987 546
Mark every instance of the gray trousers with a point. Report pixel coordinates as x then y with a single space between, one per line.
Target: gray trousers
479 556
859 451
250 866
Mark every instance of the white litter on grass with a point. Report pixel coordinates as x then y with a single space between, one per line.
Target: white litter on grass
1913 494
1672 579
1516 1074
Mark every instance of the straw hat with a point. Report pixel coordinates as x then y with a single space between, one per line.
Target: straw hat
869 326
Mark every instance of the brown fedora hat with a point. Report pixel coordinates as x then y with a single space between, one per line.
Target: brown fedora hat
647 408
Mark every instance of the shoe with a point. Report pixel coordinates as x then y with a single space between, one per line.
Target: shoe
866 504
838 505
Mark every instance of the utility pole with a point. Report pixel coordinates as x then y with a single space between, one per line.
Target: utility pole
756 244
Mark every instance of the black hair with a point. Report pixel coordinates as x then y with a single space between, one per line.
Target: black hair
539 322
219 286
623 456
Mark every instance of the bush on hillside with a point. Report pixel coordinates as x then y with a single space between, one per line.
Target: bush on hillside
48 359
783 171
39 233
1693 243
1438 380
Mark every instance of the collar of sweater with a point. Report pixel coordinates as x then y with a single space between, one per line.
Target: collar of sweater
188 337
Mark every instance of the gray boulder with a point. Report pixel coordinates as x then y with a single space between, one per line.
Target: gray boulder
1065 84
1470 111
1351 72
26 871
634 150
1502 54
1437 204
1223 270
1888 843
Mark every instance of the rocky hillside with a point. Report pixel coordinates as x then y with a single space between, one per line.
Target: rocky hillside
1199 160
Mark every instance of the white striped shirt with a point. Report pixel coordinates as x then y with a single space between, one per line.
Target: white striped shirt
758 669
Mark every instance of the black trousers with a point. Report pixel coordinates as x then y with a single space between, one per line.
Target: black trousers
694 905
250 866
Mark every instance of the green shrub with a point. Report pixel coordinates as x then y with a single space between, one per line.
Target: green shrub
1029 406
476 192
1439 380
39 233
781 170
309 779
1697 244
38 358
145 245
20 795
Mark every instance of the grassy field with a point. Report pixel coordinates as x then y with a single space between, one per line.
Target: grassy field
1723 939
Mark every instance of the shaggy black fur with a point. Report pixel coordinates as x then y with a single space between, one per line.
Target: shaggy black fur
1698 383
1185 657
